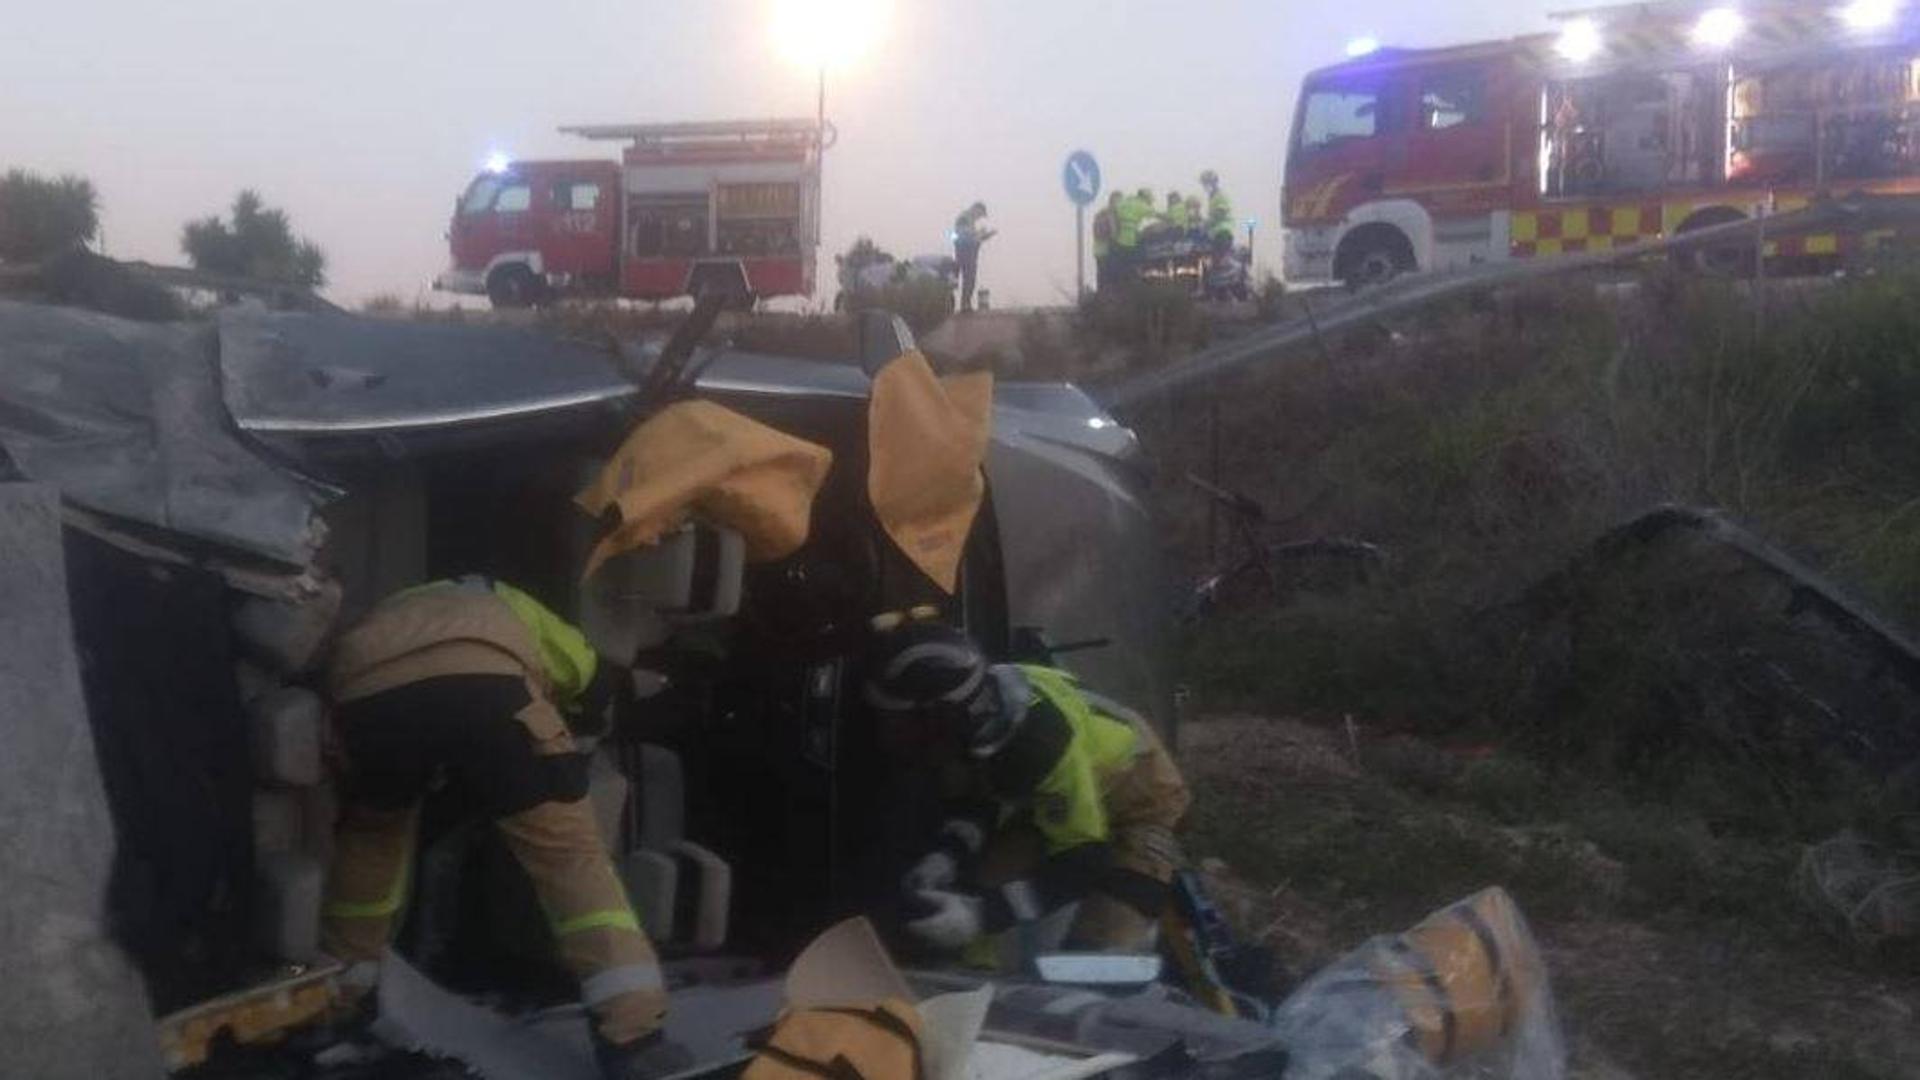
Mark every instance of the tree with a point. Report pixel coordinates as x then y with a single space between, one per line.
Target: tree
258 244
41 217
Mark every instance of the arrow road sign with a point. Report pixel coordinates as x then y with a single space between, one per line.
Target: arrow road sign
1082 177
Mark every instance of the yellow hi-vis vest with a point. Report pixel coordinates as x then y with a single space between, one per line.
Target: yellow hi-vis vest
1129 216
1219 213
1069 803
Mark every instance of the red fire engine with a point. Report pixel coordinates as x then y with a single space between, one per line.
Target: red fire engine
730 207
1630 124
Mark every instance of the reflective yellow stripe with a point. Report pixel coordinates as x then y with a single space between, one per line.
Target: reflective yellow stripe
564 653
375 909
610 919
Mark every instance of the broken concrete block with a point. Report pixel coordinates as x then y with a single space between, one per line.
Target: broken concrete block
286 909
74 1006
710 875
607 793
285 727
253 680
652 879
279 826
286 637
319 813
663 798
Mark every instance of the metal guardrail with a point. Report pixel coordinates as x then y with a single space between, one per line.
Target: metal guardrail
1852 215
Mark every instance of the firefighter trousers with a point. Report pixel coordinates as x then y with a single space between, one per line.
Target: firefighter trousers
507 752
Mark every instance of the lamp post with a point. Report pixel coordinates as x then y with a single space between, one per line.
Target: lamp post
818 35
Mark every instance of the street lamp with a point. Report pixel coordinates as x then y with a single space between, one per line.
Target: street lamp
823 34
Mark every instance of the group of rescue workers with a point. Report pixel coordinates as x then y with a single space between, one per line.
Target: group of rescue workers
1059 796
1129 226
1126 233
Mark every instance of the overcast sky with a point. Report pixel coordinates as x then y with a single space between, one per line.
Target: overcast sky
364 118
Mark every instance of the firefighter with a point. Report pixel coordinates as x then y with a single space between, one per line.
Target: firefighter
469 681
1068 797
1219 210
1103 233
1130 214
1175 214
969 233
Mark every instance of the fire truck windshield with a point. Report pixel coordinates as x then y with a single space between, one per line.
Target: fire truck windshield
1337 114
479 198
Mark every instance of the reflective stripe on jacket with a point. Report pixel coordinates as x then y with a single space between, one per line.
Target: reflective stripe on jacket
468 626
1129 216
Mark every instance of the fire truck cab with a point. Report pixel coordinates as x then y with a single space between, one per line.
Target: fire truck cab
729 207
1630 124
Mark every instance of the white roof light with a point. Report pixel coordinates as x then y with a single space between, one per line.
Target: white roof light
498 161
1579 41
1718 28
1870 14
1363 46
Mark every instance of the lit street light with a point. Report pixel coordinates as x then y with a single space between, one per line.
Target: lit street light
822 34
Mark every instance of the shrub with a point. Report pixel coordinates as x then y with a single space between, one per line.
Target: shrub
41 217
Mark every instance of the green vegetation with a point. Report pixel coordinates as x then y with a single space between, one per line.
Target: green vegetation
259 243
1489 448
42 217
1639 743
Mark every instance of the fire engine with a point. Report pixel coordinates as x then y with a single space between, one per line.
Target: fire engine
692 208
1629 124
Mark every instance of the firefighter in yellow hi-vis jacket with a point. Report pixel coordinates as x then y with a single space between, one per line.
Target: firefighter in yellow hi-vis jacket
468 680
1072 797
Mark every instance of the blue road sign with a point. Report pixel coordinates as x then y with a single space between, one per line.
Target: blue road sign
1082 177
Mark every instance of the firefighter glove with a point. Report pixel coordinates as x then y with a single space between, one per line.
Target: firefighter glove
955 920
935 870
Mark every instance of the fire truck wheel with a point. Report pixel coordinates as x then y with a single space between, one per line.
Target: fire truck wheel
513 287
1373 255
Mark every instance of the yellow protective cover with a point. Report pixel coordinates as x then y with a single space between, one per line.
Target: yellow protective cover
926 440
1463 974
699 457
880 1041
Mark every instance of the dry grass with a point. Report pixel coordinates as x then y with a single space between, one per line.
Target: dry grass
1317 837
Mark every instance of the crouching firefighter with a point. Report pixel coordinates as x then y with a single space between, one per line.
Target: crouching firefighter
1071 797
468 683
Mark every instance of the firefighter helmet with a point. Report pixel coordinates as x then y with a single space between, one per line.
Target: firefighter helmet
924 666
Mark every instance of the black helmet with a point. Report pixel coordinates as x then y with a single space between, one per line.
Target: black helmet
924 666
932 669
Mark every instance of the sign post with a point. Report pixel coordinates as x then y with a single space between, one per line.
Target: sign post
1081 177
